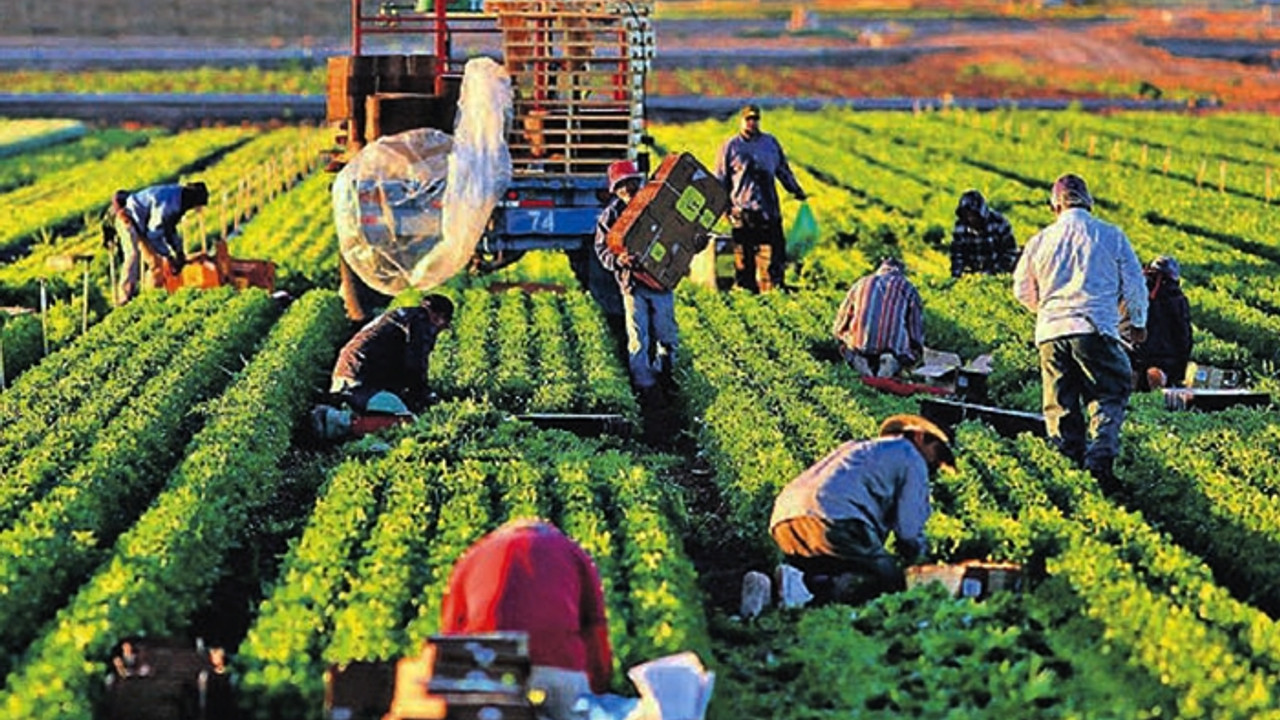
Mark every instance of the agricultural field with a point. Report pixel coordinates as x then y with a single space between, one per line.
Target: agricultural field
158 478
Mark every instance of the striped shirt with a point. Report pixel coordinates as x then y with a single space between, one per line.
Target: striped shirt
608 218
882 313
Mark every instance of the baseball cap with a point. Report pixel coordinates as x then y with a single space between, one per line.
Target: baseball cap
905 423
621 171
751 110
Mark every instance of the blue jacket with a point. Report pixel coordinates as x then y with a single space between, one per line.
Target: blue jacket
748 166
156 211
882 483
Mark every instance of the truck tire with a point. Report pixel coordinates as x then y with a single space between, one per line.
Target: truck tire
362 302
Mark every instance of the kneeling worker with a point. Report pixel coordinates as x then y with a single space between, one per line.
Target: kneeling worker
880 324
527 576
383 368
833 520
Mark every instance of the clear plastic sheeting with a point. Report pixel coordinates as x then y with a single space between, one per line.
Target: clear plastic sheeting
386 205
410 208
479 170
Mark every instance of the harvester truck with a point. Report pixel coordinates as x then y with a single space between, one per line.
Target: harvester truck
577 69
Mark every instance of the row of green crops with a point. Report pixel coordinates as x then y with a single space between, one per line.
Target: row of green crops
68 266
26 167
67 196
531 353
1111 595
19 136
160 570
901 174
1155 601
366 578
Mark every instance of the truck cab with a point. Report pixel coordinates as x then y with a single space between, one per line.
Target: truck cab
578 70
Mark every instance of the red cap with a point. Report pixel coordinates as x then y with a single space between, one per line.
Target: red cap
620 171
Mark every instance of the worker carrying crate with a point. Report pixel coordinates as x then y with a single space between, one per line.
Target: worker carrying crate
647 236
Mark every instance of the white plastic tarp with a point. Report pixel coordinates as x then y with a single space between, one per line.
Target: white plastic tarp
410 207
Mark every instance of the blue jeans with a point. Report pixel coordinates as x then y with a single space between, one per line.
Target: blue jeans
651 333
1085 374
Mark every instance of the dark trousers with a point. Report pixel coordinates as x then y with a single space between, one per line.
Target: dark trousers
759 257
1086 388
842 560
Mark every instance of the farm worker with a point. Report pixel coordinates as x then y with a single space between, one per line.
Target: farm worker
1071 274
527 576
982 240
1162 360
145 223
748 164
880 324
388 358
832 521
649 309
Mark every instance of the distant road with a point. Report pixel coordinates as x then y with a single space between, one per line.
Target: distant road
179 110
98 56
681 43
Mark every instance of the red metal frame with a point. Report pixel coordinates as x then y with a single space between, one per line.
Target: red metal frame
435 22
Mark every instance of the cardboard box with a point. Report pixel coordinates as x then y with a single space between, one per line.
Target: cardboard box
668 222
938 368
945 370
411 700
1212 378
971 578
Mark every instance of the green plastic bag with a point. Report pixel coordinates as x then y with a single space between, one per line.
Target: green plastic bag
803 235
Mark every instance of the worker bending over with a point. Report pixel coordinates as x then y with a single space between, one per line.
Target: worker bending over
145 224
982 239
880 324
527 576
833 520
391 355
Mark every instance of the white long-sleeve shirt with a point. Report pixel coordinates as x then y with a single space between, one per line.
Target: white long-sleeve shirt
1074 273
